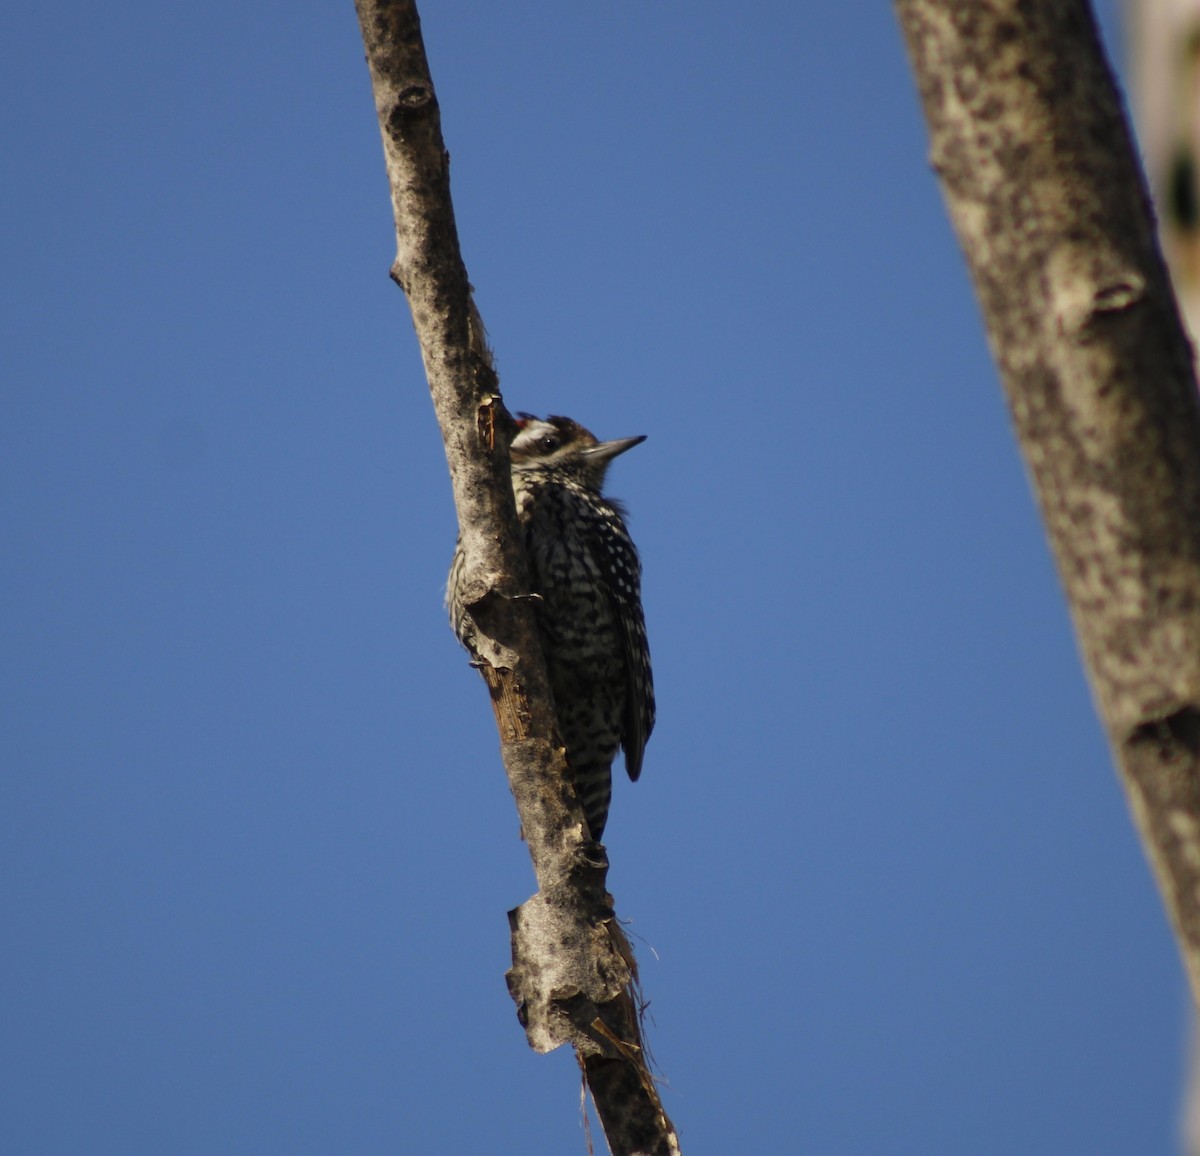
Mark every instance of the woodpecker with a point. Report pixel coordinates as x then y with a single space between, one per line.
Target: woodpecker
585 572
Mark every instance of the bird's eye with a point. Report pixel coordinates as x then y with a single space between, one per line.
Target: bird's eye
549 442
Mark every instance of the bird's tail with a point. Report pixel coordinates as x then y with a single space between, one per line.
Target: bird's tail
593 785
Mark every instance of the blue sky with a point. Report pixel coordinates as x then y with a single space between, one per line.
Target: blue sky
256 843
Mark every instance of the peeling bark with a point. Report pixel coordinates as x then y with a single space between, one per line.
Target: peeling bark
573 976
1042 183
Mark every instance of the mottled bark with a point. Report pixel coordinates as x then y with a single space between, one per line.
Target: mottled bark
573 976
1034 154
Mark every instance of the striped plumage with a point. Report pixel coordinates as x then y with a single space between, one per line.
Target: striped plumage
585 569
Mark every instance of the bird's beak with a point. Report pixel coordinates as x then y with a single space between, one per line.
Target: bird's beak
603 452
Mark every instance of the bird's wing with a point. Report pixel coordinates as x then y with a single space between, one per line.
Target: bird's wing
623 580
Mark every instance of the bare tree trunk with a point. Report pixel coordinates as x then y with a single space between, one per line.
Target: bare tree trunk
1031 146
573 976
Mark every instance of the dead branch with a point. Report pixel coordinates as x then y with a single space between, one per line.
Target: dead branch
572 976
